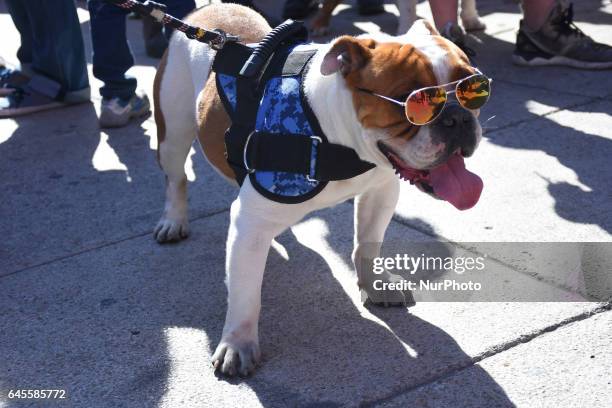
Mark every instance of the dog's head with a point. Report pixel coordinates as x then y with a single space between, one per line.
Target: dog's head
430 156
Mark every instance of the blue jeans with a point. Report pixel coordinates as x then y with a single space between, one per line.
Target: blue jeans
52 45
112 56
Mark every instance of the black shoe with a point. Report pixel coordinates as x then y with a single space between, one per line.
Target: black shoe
370 7
560 42
455 33
299 9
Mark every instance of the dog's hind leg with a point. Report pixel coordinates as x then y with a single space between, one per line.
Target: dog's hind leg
176 130
373 212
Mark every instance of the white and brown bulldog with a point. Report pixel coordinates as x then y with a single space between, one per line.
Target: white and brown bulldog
187 104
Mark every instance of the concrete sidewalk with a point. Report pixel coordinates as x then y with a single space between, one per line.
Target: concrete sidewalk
91 304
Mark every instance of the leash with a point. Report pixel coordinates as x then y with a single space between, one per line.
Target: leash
215 38
301 160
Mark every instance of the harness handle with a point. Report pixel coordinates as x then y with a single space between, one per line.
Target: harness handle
264 50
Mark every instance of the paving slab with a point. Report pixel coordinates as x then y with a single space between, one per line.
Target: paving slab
511 104
569 367
544 180
134 323
118 320
70 186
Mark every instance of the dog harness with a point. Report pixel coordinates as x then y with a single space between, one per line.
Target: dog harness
275 138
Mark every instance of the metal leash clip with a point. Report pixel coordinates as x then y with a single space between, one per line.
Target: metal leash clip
221 39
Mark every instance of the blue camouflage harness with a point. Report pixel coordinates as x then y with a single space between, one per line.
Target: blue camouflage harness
275 138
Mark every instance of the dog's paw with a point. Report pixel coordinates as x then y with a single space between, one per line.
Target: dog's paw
171 230
473 24
380 295
233 358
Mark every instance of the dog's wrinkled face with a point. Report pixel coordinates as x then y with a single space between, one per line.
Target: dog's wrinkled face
431 156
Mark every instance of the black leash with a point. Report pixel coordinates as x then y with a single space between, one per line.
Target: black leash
215 38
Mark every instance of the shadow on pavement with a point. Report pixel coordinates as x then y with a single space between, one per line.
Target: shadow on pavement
97 324
319 350
100 324
587 154
136 323
69 186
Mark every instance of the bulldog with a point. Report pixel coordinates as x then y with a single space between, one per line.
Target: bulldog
407 9
346 85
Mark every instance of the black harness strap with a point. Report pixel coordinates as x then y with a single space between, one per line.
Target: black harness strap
244 117
334 161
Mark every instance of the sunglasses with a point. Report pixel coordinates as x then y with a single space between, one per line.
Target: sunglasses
424 105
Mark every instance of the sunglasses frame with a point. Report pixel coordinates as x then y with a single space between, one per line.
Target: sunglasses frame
443 86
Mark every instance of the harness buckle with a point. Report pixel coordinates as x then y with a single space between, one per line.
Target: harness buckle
319 140
222 38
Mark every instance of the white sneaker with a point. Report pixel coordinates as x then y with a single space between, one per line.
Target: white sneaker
117 112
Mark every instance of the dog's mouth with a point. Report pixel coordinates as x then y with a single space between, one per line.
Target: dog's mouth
449 181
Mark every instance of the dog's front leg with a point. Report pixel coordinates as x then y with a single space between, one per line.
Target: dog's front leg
373 212
248 243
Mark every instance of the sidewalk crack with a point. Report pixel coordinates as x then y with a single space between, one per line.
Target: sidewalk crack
104 245
529 274
605 307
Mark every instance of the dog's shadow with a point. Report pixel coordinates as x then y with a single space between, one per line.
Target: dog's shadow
138 322
320 349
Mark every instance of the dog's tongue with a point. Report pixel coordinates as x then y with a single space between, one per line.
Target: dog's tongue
452 182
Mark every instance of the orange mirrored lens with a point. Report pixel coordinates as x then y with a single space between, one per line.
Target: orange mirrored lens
423 106
473 92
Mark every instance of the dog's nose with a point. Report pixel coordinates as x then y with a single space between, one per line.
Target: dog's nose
454 115
458 128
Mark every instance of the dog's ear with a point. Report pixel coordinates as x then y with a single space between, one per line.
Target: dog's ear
348 54
423 27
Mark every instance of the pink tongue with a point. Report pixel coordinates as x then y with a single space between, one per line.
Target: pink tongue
454 183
